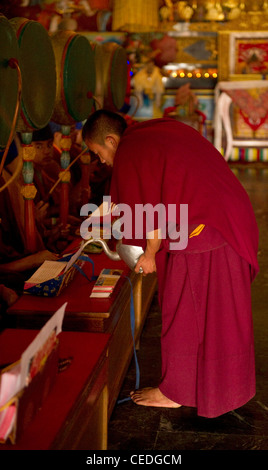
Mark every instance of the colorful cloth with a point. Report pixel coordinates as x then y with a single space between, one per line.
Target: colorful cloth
253 105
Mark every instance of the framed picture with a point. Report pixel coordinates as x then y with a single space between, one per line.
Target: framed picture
243 55
251 54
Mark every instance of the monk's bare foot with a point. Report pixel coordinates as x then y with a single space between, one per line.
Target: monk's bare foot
152 397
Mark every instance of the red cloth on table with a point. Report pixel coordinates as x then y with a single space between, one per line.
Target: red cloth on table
77 293
85 349
254 110
164 161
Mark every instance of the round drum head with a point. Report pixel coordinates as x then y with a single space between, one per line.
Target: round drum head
76 77
8 79
38 69
114 67
99 88
119 77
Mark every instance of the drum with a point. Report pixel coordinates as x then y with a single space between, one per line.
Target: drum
99 88
38 70
8 79
76 78
112 73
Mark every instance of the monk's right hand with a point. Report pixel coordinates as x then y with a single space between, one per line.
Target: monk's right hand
147 263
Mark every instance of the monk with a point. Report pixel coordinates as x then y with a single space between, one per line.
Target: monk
204 285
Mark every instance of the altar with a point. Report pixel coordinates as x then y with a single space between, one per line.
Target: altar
105 316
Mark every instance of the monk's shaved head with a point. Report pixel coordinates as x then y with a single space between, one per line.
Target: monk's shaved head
103 123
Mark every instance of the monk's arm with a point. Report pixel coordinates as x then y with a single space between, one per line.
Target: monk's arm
147 260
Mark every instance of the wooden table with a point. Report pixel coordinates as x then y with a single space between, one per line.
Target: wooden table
74 414
110 316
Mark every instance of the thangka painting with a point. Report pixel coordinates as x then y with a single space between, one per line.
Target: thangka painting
251 56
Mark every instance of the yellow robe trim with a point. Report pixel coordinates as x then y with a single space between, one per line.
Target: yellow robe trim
197 231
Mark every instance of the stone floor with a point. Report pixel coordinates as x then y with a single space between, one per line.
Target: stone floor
138 428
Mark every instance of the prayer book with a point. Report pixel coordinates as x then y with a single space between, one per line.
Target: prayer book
106 282
48 270
53 276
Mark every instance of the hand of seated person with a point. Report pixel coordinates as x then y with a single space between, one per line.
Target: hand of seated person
74 221
29 262
9 296
38 258
64 230
58 237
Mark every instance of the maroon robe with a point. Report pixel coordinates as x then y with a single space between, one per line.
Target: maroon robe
204 289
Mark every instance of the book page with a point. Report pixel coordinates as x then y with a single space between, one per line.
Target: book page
7 421
14 377
74 257
48 270
9 384
53 324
